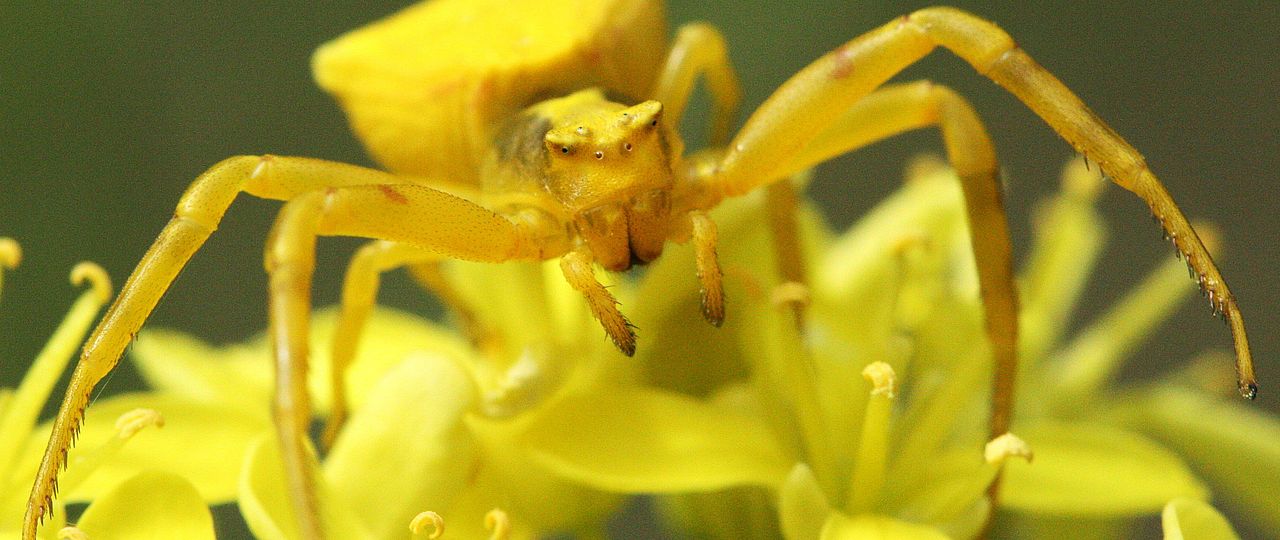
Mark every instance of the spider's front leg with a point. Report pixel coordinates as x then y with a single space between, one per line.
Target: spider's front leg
196 217
409 214
454 227
800 111
901 108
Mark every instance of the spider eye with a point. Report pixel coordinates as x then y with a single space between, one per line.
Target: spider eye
599 155
627 147
564 149
654 123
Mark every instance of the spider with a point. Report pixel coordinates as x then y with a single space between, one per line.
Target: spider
540 130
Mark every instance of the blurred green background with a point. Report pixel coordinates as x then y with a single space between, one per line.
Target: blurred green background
109 110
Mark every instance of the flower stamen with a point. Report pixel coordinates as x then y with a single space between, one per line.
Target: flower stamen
19 417
1096 354
10 256
498 523
1005 446
420 522
873 449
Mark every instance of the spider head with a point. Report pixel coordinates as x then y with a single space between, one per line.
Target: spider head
610 166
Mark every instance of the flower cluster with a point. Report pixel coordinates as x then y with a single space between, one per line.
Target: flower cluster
848 400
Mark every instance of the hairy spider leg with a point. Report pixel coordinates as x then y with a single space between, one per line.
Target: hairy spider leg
799 111
197 215
456 228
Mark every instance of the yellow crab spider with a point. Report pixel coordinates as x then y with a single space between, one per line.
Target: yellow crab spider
539 130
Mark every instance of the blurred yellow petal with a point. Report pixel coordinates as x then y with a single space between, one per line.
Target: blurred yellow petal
241 375
407 448
1191 519
802 507
424 106
201 442
1232 443
264 503
182 364
646 441
149 505
875 527
1069 233
1097 471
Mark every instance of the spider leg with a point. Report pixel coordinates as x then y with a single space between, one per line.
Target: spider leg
899 108
576 266
411 214
798 111
196 217
708 264
360 292
697 50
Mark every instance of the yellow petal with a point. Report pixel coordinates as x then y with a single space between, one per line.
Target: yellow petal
179 363
407 448
199 441
263 497
1190 519
645 441
875 527
424 106
151 504
538 501
1069 233
241 375
1233 444
802 507
1097 471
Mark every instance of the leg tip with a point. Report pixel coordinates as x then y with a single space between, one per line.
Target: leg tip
1249 390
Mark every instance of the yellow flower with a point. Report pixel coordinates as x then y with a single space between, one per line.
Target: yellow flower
871 419
434 419
900 289
132 496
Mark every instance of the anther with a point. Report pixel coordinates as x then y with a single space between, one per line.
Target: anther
97 277
10 253
1005 446
420 522
133 421
71 533
882 378
498 524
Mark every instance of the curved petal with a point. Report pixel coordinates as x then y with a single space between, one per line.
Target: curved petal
1096 471
264 501
1232 444
151 504
407 450
181 364
1195 520
645 441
